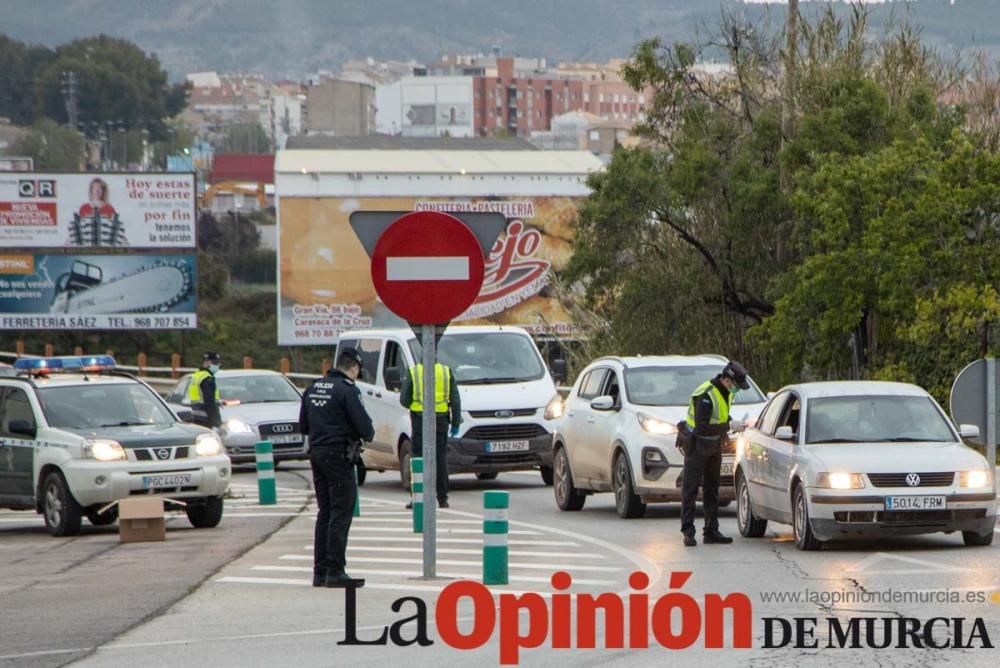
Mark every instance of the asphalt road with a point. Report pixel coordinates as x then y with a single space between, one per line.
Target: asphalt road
74 600
260 609
60 598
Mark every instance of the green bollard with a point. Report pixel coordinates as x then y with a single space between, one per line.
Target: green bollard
267 491
495 506
417 492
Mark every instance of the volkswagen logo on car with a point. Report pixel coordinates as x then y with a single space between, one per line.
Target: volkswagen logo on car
913 480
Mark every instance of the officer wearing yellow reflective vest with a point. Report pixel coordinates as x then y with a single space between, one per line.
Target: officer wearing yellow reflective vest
204 393
447 411
708 422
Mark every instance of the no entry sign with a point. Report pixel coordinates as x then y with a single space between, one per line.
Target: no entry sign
428 267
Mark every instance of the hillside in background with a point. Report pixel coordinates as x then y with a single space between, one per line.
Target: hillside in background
294 37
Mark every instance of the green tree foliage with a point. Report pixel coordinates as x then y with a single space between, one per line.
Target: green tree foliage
116 81
862 245
245 138
19 63
53 147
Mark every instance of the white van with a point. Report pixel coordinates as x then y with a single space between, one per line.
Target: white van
509 402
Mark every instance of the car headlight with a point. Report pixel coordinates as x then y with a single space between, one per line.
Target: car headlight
652 425
103 450
238 427
554 409
978 478
207 445
840 480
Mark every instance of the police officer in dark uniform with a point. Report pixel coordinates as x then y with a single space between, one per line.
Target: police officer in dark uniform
708 424
334 419
203 392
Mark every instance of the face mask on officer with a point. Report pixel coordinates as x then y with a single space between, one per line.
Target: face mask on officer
214 368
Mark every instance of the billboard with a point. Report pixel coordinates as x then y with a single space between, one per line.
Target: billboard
121 210
88 292
324 273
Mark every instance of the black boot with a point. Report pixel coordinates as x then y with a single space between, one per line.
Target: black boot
319 579
689 540
716 538
443 502
343 581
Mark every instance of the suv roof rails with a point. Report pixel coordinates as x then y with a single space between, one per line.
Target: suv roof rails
721 358
613 358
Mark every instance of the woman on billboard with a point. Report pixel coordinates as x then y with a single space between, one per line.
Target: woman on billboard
97 222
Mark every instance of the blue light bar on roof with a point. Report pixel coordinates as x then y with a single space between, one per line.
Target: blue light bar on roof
42 365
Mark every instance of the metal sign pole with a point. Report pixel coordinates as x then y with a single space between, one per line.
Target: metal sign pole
991 413
429 430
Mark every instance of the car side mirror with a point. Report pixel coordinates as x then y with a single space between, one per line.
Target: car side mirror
393 379
604 403
185 415
784 433
560 371
22 428
965 431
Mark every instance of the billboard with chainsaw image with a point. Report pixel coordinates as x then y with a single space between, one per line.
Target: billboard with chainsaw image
325 282
89 292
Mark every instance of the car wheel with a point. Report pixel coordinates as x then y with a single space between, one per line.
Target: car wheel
804 538
487 475
405 450
627 502
101 519
63 514
546 474
973 539
568 497
362 473
207 514
749 524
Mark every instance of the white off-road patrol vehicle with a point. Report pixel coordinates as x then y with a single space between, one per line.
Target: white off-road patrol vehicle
75 436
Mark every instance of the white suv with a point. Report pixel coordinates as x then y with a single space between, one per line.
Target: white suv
619 429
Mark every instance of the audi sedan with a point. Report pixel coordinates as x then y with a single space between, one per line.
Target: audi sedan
861 459
256 405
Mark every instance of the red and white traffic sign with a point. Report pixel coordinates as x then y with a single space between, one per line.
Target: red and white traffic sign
428 267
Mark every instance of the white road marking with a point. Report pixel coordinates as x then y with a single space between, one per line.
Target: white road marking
416 574
405 529
405 520
300 582
865 565
441 268
460 562
471 541
457 550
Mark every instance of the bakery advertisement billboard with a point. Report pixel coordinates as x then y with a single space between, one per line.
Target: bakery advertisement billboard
324 273
92 210
98 292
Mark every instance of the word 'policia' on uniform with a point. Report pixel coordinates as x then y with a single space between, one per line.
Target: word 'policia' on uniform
447 410
708 427
203 392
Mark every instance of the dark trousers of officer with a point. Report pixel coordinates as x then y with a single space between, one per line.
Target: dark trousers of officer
440 452
702 467
206 415
336 490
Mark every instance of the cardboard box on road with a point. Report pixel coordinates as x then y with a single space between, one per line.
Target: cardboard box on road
141 520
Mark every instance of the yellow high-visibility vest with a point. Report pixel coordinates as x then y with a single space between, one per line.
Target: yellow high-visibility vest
720 403
194 389
442 385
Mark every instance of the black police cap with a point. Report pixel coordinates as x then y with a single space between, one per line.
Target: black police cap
213 357
353 355
735 372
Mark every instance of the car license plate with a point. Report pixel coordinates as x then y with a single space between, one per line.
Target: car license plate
915 503
507 446
727 468
164 481
280 439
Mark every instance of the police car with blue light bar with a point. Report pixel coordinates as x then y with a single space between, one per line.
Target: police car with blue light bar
76 436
